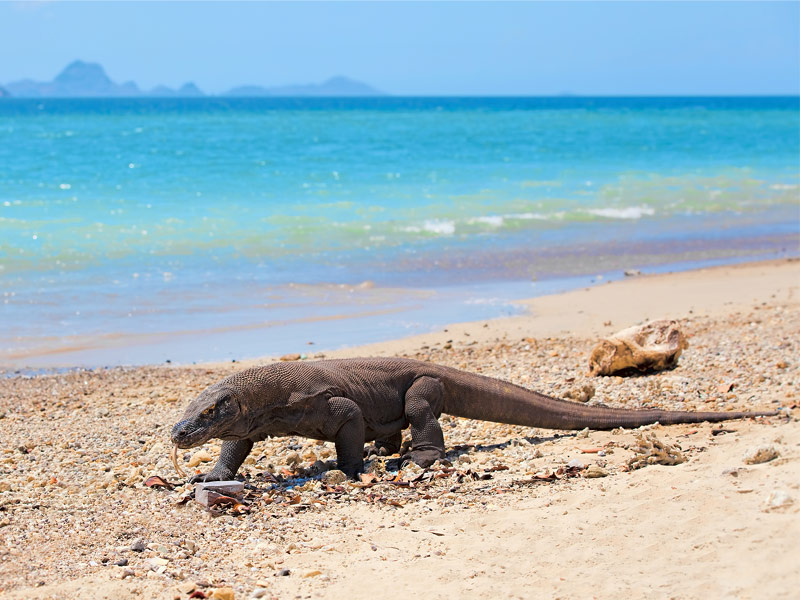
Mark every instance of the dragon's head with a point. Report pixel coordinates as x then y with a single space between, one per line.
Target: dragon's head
215 413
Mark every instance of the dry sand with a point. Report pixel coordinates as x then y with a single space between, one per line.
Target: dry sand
507 519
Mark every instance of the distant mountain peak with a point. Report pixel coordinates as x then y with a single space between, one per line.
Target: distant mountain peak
80 71
338 85
88 79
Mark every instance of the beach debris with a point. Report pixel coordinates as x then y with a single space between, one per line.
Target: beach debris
290 357
210 492
632 273
778 499
575 463
760 454
174 457
649 450
654 346
157 482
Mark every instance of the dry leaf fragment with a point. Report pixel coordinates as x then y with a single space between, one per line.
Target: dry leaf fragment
157 482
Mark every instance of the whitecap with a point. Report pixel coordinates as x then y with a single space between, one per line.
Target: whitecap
440 227
629 212
493 221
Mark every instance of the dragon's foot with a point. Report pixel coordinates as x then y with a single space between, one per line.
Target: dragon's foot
215 475
424 458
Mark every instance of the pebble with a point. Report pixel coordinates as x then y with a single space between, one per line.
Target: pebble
283 573
778 499
258 593
223 593
760 454
593 471
198 457
138 545
186 587
334 477
575 463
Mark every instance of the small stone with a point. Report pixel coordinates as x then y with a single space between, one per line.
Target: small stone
223 593
319 466
139 545
127 572
760 454
198 457
292 459
156 562
283 573
778 499
259 592
122 562
290 357
186 587
575 463
334 477
593 471
312 573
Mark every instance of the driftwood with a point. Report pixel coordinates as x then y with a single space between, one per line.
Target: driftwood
653 346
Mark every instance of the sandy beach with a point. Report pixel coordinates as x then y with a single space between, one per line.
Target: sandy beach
505 516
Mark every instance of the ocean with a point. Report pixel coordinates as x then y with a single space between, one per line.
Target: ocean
138 231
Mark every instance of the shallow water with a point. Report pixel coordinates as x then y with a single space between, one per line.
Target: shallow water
133 231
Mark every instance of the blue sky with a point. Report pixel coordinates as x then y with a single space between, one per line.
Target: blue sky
446 48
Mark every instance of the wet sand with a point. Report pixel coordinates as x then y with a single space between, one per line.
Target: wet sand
508 518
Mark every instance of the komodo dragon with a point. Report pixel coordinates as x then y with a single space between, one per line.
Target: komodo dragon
352 401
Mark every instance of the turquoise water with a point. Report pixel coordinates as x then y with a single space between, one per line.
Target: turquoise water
143 229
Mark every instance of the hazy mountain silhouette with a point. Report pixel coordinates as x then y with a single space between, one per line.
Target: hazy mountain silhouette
335 86
82 79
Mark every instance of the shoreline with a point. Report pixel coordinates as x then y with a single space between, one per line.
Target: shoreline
584 312
80 445
514 296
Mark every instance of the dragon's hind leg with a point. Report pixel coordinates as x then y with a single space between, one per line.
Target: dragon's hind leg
423 403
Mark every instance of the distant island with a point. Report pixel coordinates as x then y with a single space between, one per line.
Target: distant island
89 80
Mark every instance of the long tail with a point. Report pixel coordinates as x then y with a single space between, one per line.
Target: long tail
478 397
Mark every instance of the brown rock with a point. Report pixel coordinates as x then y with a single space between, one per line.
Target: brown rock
653 346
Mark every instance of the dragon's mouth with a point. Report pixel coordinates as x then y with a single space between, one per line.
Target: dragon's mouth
185 435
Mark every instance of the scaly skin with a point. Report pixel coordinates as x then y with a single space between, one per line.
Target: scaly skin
353 401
